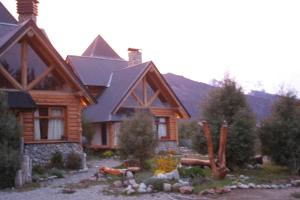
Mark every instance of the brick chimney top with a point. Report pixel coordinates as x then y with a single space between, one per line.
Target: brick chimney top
27 9
134 57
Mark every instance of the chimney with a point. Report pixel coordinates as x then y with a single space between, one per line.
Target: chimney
27 9
134 57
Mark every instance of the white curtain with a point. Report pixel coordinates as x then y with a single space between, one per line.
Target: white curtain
117 133
37 129
55 126
162 127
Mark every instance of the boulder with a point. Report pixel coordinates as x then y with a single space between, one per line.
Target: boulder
142 188
129 175
150 188
176 186
295 183
186 190
167 187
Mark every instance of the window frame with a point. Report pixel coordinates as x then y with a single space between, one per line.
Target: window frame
166 123
49 117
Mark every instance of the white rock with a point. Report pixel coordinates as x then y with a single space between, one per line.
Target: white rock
132 182
129 175
149 188
117 183
143 185
129 192
184 183
243 186
295 183
274 186
233 187
167 187
252 185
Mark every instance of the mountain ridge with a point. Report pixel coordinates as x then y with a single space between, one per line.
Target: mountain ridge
193 93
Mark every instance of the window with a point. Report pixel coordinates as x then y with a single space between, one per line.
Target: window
161 127
49 123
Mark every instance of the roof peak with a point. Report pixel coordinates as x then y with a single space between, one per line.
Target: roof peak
100 48
6 16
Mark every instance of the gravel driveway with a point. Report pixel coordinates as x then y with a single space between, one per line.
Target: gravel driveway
52 190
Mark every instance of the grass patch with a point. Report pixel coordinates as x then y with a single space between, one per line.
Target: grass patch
208 184
296 195
267 174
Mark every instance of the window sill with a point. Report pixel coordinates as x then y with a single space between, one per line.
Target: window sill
49 142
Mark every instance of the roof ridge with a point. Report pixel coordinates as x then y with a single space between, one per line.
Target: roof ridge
102 58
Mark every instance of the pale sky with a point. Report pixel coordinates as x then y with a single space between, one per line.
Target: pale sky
256 41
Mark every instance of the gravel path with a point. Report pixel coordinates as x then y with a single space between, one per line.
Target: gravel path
52 190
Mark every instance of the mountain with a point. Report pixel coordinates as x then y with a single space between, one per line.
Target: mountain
192 94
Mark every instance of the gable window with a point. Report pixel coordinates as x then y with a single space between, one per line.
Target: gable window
161 127
49 123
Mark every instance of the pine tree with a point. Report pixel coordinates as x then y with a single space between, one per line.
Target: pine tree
228 103
280 133
9 144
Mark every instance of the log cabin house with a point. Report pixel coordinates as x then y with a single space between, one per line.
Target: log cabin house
121 87
42 90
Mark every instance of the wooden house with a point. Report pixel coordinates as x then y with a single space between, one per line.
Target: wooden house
121 87
42 90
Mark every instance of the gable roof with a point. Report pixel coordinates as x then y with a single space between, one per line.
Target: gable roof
100 48
119 85
95 71
13 35
6 16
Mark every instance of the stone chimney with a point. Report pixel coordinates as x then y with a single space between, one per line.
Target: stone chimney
27 9
134 57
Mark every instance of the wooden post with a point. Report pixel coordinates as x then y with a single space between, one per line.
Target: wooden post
24 61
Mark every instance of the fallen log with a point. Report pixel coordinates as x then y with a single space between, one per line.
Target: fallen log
112 171
193 161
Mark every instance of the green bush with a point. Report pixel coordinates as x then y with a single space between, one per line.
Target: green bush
107 154
157 183
73 161
137 139
39 169
280 133
228 103
187 130
57 160
10 133
56 172
192 172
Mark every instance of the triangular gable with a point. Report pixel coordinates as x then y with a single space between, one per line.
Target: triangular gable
28 30
161 92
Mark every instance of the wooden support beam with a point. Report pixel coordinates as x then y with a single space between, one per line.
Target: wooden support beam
145 91
39 78
137 98
24 61
11 79
153 97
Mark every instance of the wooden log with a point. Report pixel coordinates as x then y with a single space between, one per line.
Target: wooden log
193 162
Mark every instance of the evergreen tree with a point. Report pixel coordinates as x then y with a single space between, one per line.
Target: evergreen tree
228 103
280 133
137 138
9 144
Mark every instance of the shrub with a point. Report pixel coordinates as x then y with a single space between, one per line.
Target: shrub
56 172
39 169
192 172
137 139
107 154
10 133
165 164
187 130
280 133
57 160
87 132
157 183
228 103
73 161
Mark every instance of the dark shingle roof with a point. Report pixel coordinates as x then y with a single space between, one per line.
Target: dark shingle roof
119 85
20 100
95 71
100 48
5 16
